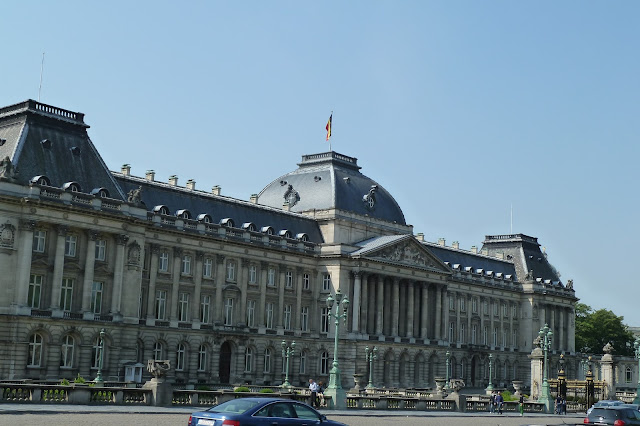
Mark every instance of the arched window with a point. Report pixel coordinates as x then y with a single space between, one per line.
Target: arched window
158 351
202 358
180 354
66 352
628 375
35 351
248 360
303 362
183 214
267 360
41 180
72 186
324 363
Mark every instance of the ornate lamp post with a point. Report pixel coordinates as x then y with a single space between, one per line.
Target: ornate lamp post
636 345
545 394
101 357
489 388
448 365
370 355
287 351
334 390
590 391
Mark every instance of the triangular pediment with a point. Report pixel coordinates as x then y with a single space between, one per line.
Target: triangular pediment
400 250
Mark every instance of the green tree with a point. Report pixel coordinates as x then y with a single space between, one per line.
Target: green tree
594 329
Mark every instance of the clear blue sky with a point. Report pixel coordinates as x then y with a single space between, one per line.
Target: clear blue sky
459 108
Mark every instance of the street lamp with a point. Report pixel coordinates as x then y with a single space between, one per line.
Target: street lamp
287 351
370 355
334 390
448 364
101 357
545 395
490 387
636 345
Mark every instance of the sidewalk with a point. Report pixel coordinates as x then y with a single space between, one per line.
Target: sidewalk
145 409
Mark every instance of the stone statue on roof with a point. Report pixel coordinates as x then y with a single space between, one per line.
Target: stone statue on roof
134 196
570 284
7 169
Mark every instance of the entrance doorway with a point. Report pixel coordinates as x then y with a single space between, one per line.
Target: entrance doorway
224 369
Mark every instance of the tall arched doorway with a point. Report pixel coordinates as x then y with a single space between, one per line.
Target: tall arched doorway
224 369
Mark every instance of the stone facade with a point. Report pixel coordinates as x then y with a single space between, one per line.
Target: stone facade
215 284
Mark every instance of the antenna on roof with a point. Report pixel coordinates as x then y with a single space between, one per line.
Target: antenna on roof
41 70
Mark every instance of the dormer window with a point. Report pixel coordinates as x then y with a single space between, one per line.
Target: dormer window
267 230
227 222
161 209
302 237
183 214
249 226
46 143
203 217
41 180
72 187
284 234
100 192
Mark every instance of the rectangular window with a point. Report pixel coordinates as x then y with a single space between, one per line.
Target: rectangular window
474 305
514 311
474 334
306 281
289 279
326 282
101 250
324 320
287 317
251 313
202 358
228 312
163 262
461 338
39 240
183 307
628 375
303 362
452 303
96 297
452 330
485 337
495 309
253 274
462 305
495 336
269 315
304 318
205 309
485 307
231 270
505 310
70 245
35 290
271 277
504 338
514 338
186 265
207 268
66 294
161 304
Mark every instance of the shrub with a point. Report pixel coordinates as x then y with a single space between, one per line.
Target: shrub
64 382
206 388
266 390
79 379
242 389
507 396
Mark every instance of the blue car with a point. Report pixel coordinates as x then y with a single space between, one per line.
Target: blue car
260 411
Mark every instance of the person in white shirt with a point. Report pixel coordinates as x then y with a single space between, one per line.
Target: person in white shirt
313 399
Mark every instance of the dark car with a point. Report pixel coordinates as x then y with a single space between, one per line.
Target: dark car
260 411
614 416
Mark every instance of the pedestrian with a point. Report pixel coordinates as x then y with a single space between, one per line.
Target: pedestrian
313 398
499 402
321 388
558 404
564 406
521 406
492 402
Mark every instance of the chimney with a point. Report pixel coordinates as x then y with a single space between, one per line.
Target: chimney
500 255
455 245
150 175
485 251
474 249
420 236
442 242
254 198
173 180
126 169
216 190
191 184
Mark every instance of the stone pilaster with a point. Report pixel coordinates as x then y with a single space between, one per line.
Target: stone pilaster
153 276
89 264
355 324
26 229
58 268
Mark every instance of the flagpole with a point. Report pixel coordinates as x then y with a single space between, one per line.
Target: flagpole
331 118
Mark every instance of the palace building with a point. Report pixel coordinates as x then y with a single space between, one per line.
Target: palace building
215 284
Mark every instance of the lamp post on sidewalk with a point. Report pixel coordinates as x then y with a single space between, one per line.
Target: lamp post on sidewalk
448 366
489 388
545 394
370 355
98 378
287 351
334 390
636 345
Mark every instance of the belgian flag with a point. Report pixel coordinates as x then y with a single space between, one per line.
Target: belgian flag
329 127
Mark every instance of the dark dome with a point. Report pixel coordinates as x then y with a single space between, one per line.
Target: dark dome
330 180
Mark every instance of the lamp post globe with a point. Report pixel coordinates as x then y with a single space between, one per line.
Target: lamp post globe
334 390
98 378
489 388
546 336
287 351
370 356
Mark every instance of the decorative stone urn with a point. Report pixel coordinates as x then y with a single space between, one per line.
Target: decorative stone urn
440 381
357 378
517 385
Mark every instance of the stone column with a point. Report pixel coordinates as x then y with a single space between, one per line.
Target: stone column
458 312
243 283
197 278
280 284
606 369
536 358
410 309
23 274
552 326
561 342
89 264
491 323
467 338
481 336
445 305
511 318
220 280
571 331
118 271
364 303
542 314
424 320
153 276
395 312
175 286
380 306
58 268
438 313
355 324
260 309
298 312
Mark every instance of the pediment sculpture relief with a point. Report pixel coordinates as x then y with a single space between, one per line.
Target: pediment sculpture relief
406 253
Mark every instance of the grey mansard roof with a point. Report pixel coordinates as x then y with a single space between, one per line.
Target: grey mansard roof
331 181
476 261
